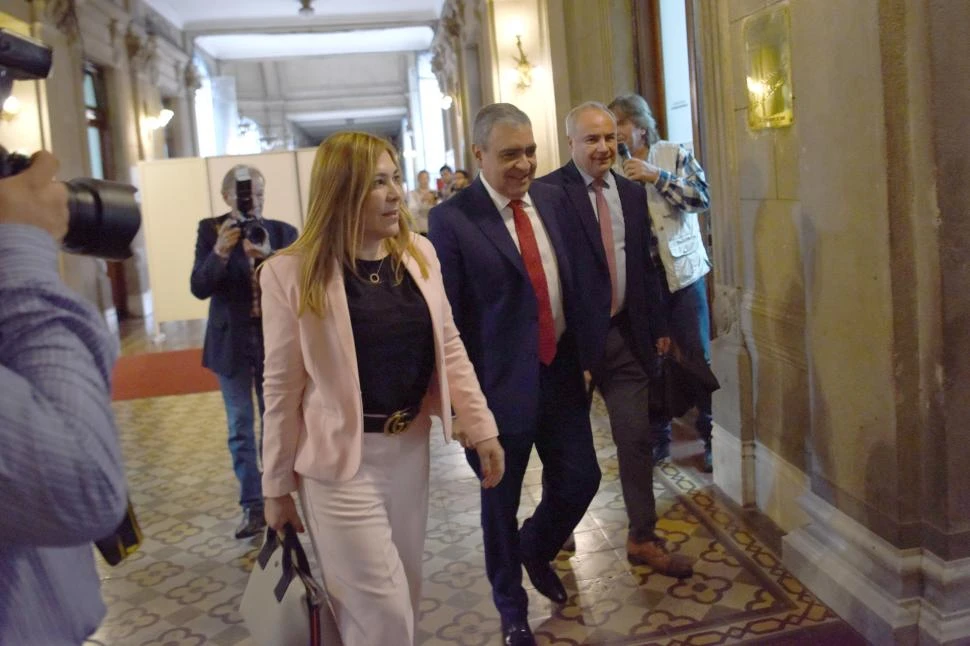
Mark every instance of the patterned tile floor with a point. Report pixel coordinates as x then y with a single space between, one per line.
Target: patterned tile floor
183 587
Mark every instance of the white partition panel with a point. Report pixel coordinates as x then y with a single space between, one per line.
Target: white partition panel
177 193
304 165
282 186
174 197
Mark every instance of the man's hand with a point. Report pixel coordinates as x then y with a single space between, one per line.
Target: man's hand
228 238
257 252
280 511
33 197
491 457
663 345
640 171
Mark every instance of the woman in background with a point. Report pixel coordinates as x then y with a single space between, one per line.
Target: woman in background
420 201
360 349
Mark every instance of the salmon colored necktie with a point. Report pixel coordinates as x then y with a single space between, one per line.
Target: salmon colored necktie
533 266
609 246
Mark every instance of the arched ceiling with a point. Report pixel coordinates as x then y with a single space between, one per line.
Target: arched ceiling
346 64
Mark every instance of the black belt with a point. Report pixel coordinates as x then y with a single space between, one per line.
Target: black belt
391 423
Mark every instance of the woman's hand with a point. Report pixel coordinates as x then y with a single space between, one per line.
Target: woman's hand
491 457
280 511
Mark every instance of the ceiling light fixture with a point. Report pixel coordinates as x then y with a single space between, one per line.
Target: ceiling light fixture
306 8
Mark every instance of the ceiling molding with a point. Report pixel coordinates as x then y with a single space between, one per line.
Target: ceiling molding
263 46
166 11
325 94
299 26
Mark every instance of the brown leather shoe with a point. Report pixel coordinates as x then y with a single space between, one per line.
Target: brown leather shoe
655 554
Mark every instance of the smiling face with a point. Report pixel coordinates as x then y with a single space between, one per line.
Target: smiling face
509 160
592 143
381 211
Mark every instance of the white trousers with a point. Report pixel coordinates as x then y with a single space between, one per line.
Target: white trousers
368 535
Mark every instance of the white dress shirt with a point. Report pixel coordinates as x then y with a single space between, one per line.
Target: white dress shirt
549 263
612 196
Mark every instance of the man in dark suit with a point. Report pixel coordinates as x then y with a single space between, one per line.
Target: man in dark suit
624 323
505 261
224 271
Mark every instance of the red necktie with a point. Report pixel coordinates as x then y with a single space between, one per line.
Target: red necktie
606 231
533 265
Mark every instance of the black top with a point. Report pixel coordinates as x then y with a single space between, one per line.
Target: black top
392 336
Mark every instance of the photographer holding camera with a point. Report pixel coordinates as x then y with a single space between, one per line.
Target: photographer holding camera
61 473
228 250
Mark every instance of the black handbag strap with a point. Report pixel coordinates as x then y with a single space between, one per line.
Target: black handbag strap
292 549
269 546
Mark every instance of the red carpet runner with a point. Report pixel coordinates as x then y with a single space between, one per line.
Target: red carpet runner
157 374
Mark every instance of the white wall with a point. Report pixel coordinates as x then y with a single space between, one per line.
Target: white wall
528 19
673 34
429 132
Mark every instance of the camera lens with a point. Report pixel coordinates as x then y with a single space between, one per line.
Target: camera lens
104 218
255 233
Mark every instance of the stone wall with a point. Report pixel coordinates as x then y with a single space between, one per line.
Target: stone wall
840 270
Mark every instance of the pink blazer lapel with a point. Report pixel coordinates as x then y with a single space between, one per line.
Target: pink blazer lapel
340 313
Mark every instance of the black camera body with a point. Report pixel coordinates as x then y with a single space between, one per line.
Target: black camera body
104 215
251 226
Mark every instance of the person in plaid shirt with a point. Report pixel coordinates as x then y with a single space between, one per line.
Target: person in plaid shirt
676 192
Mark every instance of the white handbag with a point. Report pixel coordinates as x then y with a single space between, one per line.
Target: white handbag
282 604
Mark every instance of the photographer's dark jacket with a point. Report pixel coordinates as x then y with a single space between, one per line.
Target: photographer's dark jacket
229 284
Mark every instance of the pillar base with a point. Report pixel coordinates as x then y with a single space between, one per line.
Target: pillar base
891 596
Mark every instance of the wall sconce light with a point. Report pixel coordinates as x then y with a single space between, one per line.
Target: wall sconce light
446 102
163 119
11 108
523 67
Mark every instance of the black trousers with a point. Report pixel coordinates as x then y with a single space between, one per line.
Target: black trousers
570 479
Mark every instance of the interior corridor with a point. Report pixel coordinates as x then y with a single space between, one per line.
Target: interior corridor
183 587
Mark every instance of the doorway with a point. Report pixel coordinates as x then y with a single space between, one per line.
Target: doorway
102 166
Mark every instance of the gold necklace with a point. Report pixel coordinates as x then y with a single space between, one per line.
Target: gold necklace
375 276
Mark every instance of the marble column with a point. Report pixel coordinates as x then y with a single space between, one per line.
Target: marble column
887 544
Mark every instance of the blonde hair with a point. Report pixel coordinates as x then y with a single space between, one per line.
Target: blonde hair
343 176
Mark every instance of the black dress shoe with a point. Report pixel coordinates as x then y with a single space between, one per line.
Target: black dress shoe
517 633
545 579
253 522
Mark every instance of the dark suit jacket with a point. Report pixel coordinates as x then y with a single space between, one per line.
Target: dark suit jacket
492 298
644 301
230 287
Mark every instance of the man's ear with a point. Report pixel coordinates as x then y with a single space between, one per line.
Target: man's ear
477 153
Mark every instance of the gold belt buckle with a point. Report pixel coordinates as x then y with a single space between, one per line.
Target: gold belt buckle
397 423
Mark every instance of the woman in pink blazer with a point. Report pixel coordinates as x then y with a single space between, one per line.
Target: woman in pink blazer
361 349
